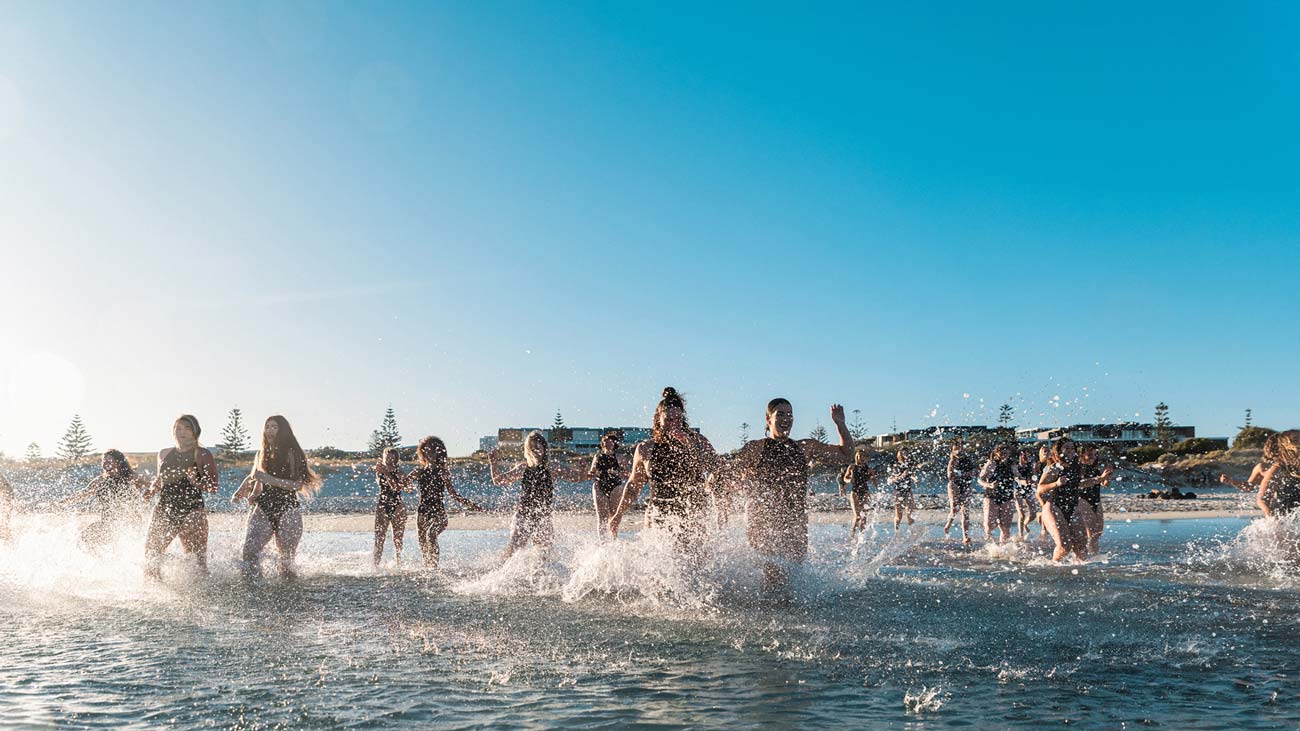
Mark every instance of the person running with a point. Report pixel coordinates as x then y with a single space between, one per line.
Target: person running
185 473
773 473
962 469
533 522
1095 475
1060 491
118 493
1027 507
433 479
390 511
998 478
904 478
1266 462
279 476
1279 491
609 474
862 478
679 464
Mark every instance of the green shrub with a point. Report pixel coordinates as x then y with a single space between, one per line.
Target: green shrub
1252 437
1198 445
1145 453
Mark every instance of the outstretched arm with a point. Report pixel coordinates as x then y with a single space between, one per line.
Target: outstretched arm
503 479
451 490
843 450
78 497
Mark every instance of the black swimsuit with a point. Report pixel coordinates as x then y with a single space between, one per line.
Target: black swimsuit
1286 491
1092 493
431 491
609 475
963 472
778 501
390 494
675 481
1066 497
1004 483
179 496
115 498
860 476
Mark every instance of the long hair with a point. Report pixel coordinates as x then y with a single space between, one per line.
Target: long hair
118 468
1270 448
671 400
1288 449
284 457
1058 449
432 453
535 449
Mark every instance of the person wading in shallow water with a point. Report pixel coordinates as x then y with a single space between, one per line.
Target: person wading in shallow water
678 463
961 475
1279 491
998 478
280 474
433 478
860 478
1266 462
773 475
118 494
185 473
536 476
390 511
608 474
1026 485
1095 476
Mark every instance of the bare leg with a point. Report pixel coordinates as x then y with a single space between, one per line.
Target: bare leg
381 533
162 530
604 509
428 527
287 538
257 533
857 517
952 509
989 510
399 530
1054 524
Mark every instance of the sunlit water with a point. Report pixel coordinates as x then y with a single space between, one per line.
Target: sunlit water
1182 624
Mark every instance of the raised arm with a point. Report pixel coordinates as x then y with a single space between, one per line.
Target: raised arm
986 475
503 479
843 450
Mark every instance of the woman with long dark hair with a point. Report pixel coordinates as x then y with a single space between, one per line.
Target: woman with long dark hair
1279 490
677 463
607 473
773 473
998 478
1060 488
185 473
118 495
433 478
279 476
1026 484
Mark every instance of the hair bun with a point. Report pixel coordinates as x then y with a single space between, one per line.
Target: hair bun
670 392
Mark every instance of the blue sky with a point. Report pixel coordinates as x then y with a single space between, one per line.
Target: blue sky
484 212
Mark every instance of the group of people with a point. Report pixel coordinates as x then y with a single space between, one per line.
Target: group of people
691 488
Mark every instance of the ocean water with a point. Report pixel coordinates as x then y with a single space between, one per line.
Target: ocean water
1179 624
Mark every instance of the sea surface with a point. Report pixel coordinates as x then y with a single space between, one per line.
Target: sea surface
1188 624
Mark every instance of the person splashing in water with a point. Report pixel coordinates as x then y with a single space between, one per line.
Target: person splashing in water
1279 490
118 495
433 478
390 511
903 478
1060 488
536 475
185 473
861 478
608 474
998 478
678 463
280 475
6 509
962 468
773 474
1026 500
1095 476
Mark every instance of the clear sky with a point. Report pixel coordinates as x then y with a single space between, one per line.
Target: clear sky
484 212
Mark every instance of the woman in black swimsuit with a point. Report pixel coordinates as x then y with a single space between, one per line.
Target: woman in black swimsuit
903 477
1026 486
185 473
433 479
773 473
998 478
118 495
608 473
678 463
1095 476
1279 492
1060 490
280 474
962 468
389 508
860 478
536 476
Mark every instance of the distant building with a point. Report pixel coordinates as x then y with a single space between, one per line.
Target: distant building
487 444
1127 434
581 439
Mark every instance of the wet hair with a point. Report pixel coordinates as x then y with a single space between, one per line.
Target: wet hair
432 453
383 457
863 450
671 400
1003 448
535 446
777 403
284 457
118 468
1288 449
1270 448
